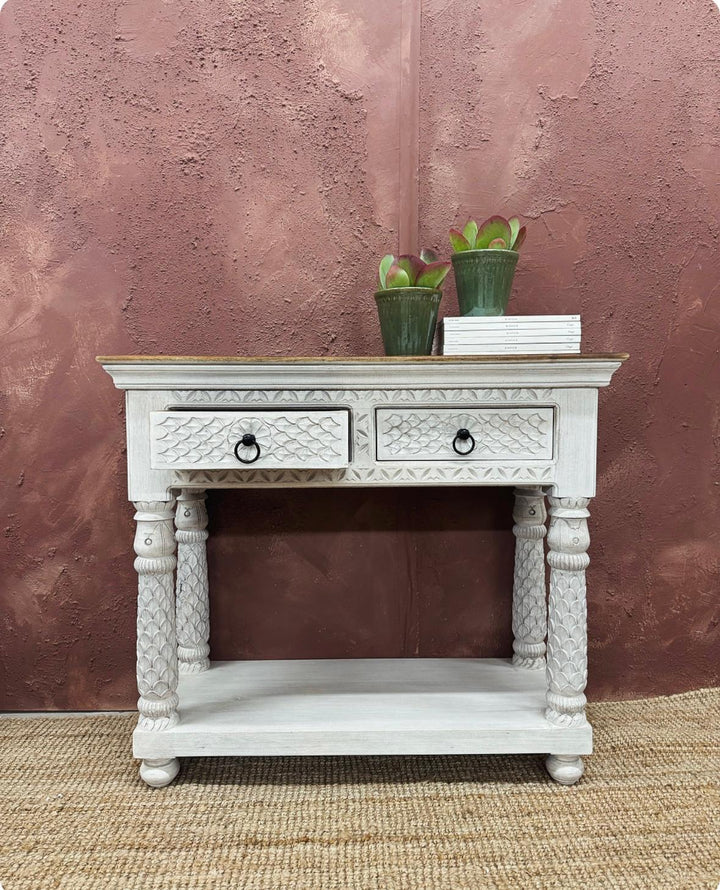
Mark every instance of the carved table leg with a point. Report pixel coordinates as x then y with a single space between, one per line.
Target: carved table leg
529 611
568 541
193 611
157 672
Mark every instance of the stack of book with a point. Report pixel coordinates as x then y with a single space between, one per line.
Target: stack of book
511 335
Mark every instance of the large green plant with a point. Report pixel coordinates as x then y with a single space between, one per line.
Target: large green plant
409 270
496 233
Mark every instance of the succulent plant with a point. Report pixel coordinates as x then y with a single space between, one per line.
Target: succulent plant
496 233
409 270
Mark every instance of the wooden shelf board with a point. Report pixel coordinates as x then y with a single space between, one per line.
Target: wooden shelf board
363 706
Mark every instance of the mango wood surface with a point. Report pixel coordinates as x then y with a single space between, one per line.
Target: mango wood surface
282 359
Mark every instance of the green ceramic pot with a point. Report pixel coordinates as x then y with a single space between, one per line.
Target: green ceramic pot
408 316
484 279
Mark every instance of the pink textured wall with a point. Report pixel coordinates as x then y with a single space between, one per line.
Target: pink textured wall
179 177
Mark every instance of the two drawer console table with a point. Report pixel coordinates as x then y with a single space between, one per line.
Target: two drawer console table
197 423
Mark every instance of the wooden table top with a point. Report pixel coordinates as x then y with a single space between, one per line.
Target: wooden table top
344 359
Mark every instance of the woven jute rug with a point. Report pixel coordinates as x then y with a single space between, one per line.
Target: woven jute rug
74 814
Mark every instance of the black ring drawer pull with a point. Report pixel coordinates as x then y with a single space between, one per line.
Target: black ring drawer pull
247 441
463 435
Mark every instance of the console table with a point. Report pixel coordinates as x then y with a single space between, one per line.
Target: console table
195 423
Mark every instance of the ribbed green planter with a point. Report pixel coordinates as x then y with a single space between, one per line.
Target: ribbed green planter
408 316
484 279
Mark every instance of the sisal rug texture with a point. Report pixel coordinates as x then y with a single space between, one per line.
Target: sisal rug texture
74 814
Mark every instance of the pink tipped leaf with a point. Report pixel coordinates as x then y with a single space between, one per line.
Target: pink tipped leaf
459 241
385 264
497 244
433 275
428 256
470 231
412 264
397 277
519 240
492 228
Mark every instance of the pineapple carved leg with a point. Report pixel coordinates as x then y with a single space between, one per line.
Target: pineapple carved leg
193 611
529 609
157 671
568 541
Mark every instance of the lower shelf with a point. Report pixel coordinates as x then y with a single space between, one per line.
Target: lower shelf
363 706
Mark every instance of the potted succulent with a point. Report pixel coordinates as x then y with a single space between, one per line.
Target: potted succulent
484 261
408 301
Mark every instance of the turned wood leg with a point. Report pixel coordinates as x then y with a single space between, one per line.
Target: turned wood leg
568 541
159 773
529 610
193 610
566 769
157 673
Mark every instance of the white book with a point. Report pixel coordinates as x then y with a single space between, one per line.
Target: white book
514 347
508 336
545 349
497 344
546 331
511 347
463 336
498 328
464 320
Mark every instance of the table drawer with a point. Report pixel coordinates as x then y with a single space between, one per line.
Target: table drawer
212 440
441 434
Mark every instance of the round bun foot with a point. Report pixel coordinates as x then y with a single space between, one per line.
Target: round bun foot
159 773
564 768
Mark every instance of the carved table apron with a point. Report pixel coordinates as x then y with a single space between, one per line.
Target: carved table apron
195 423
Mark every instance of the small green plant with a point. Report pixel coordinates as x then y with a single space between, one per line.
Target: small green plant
496 233
409 270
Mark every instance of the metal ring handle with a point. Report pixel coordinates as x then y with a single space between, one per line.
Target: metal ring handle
247 441
463 435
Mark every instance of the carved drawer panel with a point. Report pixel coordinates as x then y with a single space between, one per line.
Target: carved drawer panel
210 440
476 434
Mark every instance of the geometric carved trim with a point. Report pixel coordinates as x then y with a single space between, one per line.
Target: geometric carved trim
343 396
369 475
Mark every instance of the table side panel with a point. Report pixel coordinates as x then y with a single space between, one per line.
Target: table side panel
576 443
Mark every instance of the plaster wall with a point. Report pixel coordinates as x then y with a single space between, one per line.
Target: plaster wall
222 178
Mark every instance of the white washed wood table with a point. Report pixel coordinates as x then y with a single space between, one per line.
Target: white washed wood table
195 423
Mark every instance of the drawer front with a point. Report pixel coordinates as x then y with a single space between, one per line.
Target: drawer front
214 440
497 433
